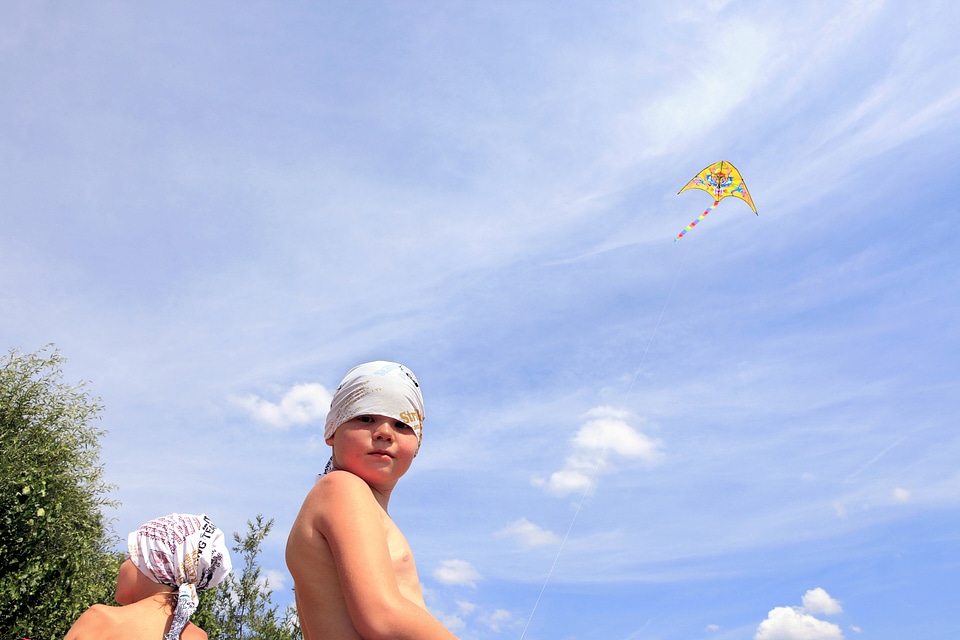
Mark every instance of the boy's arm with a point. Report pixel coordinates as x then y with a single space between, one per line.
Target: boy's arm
351 522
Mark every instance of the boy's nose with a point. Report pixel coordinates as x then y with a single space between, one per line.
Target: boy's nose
383 431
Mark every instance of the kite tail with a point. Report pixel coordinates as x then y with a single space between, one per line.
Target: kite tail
697 221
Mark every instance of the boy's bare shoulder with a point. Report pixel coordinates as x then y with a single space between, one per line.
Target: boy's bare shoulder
339 480
91 622
336 488
337 496
193 632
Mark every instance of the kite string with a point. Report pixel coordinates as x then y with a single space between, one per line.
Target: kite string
603 450
643 358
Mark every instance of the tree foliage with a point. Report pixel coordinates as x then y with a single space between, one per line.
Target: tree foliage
55 558
240 608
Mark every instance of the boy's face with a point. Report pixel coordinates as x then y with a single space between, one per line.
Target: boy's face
376 448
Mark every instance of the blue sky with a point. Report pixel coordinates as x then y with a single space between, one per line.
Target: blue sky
215 209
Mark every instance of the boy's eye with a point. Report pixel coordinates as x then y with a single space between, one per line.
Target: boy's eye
401 425
365 418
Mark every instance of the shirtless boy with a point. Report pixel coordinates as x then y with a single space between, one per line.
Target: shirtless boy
353 571
172 559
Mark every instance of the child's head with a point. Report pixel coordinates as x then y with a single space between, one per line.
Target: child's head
186 552
377 388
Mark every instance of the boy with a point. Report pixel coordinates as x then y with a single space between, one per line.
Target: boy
353 571
172 559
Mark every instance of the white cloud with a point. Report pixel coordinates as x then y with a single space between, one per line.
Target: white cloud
712 627
606 435
788 623
456 572
452 621
840 509
528 534
819 601
274 579
302 404
465 607
470 612
800 623
498 619
901 495
566 481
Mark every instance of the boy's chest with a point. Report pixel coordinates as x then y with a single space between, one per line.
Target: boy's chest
404 567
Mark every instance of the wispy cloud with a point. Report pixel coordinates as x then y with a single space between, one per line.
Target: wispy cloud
699 100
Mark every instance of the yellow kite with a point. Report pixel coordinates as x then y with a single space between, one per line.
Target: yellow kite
721 179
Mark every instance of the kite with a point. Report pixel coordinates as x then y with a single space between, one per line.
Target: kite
721 179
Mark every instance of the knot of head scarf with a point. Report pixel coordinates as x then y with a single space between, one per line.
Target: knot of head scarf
377 388
183 551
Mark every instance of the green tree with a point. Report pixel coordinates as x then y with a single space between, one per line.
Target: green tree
55 558
240 608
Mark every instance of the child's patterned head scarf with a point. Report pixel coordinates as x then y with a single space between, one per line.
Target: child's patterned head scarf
183 551
377 388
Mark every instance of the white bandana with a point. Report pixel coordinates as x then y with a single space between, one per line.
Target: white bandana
377 388
184 551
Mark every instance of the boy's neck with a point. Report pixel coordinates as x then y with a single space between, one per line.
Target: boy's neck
382 496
